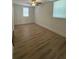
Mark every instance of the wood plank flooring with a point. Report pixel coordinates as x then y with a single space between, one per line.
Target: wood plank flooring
34 42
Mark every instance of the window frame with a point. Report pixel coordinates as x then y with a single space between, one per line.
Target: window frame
24 15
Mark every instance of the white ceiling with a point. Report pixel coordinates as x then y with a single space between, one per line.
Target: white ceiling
25 2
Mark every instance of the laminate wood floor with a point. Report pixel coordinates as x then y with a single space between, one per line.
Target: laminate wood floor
34 42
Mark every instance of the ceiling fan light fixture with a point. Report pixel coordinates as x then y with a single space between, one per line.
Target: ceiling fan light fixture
33 3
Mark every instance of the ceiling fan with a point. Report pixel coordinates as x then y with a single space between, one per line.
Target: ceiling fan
35 2
39 2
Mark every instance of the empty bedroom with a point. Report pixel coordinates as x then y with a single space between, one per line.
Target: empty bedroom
39 29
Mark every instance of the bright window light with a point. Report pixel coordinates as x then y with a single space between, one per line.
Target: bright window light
25 11
59 10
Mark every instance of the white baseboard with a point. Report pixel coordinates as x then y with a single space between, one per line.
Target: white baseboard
53 30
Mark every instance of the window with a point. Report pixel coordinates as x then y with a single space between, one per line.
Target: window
59 10
25 11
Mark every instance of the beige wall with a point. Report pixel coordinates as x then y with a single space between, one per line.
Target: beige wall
44 18
12 17
18 15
